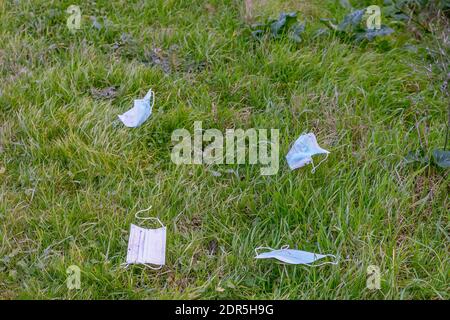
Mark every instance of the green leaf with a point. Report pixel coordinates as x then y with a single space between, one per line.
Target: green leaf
441 158
296 31
321 32
394 13
282 25
417 156
352 20
372 34
285 25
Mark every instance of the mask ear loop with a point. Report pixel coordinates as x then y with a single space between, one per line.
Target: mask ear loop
153 268
260 248
150 95
137 216
272 249
328 262
153 100
126 265
315 167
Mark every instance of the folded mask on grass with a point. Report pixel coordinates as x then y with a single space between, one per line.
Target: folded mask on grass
147 246
292 256
302 151
140 112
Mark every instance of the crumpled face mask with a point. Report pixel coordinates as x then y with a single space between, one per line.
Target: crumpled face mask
302 151
291 256
140 112
147 246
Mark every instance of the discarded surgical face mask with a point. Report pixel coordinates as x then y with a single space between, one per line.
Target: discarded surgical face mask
147 246
302 151
140 112
291 256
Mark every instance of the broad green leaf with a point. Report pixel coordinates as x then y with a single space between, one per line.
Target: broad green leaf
321 32
352 20
372 34
296 31
393 12
417 156
441 158
285 25
284 22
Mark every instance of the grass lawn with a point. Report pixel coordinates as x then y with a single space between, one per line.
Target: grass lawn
72 176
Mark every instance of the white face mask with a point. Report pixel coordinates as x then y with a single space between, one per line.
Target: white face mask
293 256
140 112
147 246
302 151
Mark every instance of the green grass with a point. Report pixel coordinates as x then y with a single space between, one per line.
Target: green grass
74 176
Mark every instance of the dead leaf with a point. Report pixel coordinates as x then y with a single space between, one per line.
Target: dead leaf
158 57
248 10
105 93
245 114
212 247
210 8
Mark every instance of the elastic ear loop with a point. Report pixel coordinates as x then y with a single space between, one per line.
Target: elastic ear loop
150 94
269 248
315 167
327 262
136 215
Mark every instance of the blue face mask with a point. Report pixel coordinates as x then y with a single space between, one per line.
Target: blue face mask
291 256
302 151
140 112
